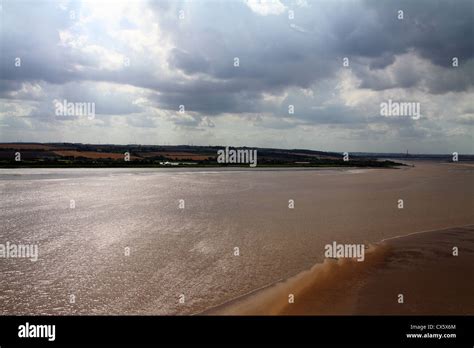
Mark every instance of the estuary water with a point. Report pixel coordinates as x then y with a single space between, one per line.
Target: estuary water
181 241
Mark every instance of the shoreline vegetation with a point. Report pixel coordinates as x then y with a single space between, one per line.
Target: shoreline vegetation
67 155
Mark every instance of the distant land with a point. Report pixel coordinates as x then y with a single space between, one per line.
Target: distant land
109 155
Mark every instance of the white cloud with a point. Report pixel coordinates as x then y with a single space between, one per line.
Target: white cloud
266 7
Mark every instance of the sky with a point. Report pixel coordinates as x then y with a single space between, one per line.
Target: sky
229 72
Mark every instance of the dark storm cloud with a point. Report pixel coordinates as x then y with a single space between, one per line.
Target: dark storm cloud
30 31
7 86
187 63
209 99
438 30
273 56
382 61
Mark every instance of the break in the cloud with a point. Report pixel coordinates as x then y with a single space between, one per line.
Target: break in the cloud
139 61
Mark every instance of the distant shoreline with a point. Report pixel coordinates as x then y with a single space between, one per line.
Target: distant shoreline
66 155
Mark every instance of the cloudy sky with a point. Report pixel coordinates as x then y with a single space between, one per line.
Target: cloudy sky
138 61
